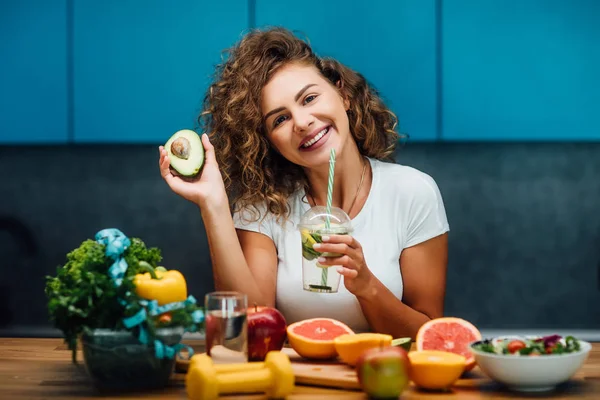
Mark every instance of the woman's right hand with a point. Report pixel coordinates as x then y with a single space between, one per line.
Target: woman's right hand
206 189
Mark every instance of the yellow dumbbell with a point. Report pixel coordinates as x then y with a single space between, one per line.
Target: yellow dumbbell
206 381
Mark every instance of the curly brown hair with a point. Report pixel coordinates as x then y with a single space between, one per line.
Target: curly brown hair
253 171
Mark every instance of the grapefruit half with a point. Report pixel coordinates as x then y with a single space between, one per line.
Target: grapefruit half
449 334
313 338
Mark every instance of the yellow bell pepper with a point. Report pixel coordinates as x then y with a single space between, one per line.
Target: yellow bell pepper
160 285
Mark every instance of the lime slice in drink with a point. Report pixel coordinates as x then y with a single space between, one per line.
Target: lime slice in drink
307 238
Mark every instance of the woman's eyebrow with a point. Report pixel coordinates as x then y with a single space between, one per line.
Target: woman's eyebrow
267 115
303 90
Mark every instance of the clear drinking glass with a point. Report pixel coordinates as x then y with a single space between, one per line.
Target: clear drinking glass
313 225
226 327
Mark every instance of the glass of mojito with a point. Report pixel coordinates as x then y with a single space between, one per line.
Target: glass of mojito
315 223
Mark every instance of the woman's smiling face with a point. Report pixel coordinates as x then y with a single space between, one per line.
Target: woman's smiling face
304 115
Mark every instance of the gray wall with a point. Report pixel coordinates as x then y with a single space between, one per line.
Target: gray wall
524 218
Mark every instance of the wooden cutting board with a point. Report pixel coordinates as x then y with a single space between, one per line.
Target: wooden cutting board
324 373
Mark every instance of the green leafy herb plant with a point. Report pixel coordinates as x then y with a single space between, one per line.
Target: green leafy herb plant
83 297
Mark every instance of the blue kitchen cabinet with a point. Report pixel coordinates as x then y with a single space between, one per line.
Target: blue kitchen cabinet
521 70
141 69
390 42
33 72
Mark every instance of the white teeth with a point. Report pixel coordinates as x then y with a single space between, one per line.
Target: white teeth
316 138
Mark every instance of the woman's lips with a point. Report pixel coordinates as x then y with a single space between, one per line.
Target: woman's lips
319 143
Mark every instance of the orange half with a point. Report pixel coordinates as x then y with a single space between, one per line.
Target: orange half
351 346
434 369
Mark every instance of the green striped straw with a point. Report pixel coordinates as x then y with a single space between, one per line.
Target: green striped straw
324 271
330 187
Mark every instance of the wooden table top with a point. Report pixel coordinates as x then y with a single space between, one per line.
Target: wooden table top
42 368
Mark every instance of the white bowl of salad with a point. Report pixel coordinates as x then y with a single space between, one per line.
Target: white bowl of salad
530 363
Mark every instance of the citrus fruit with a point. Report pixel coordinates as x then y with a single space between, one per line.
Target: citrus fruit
313 338
350 347
404 342
449 334
434 369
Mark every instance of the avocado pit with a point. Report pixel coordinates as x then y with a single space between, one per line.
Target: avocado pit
180 148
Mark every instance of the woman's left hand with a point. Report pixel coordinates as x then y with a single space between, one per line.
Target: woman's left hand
350 264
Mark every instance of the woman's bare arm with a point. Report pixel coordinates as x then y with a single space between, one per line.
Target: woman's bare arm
242 261
424 279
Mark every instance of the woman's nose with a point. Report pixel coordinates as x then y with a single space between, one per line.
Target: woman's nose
302 121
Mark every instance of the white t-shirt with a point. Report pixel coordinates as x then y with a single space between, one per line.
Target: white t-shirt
404 207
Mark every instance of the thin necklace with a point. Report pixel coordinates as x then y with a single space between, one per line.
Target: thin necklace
362 178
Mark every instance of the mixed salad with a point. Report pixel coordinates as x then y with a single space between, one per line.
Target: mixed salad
529 346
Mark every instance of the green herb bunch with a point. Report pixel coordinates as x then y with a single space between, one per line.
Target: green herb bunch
82 296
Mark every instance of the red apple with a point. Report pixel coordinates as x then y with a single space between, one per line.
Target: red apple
212 329
383 372
266 332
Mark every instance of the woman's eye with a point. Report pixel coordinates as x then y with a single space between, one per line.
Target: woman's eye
279 120
309 98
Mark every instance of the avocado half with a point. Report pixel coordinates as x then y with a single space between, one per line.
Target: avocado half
186 152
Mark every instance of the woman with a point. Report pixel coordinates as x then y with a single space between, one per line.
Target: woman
272 115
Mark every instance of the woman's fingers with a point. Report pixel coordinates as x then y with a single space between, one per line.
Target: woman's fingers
164 163
165 170
350 254
340 244
341 239
347 272
343 261
209 149
341 248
